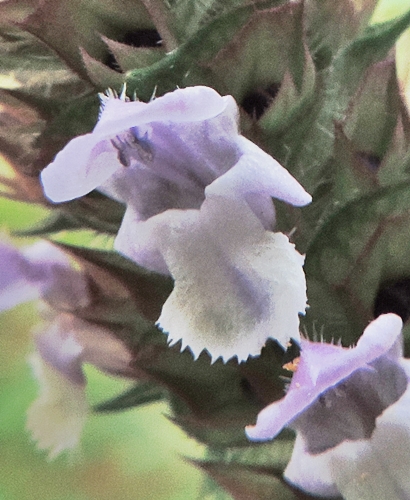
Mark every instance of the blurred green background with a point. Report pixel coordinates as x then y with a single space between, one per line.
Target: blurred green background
134 455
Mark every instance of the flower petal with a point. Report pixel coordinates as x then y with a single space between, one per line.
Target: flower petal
191 104
59 348
85 163
257 172
56 419
59 283
235 283
380 467
16 287
311 473
321 367
88 161
140 240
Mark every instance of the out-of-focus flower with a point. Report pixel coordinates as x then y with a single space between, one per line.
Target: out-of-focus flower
350 409
199 207
39 271
63 341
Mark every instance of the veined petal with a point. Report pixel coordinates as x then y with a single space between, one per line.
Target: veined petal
323 366
235 283
56 419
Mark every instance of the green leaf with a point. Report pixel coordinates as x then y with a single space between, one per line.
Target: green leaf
353 174
38 75
66 27
84 239
53 223
182 67
395 166
20 127
308 157
331 26
126 293
244 483
361 246
290 104
14 11
210 490
212 403
267 46
371 148
141 394
101 75
94 212
179 20
129 57
37 87
372 114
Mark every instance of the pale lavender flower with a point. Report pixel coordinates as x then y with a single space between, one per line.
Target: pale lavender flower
39 271
63 342
351 412
199 207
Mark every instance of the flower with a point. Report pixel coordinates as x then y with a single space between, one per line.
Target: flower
63 341
39 271
199 207
350 410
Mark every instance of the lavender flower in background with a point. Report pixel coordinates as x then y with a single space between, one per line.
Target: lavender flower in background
199 207
63 341
350 409
63 345
39 271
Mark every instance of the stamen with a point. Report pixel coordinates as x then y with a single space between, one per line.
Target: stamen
292 366
142 146
131 146
120 147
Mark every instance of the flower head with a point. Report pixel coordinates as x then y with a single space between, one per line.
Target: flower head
343 403
199 207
